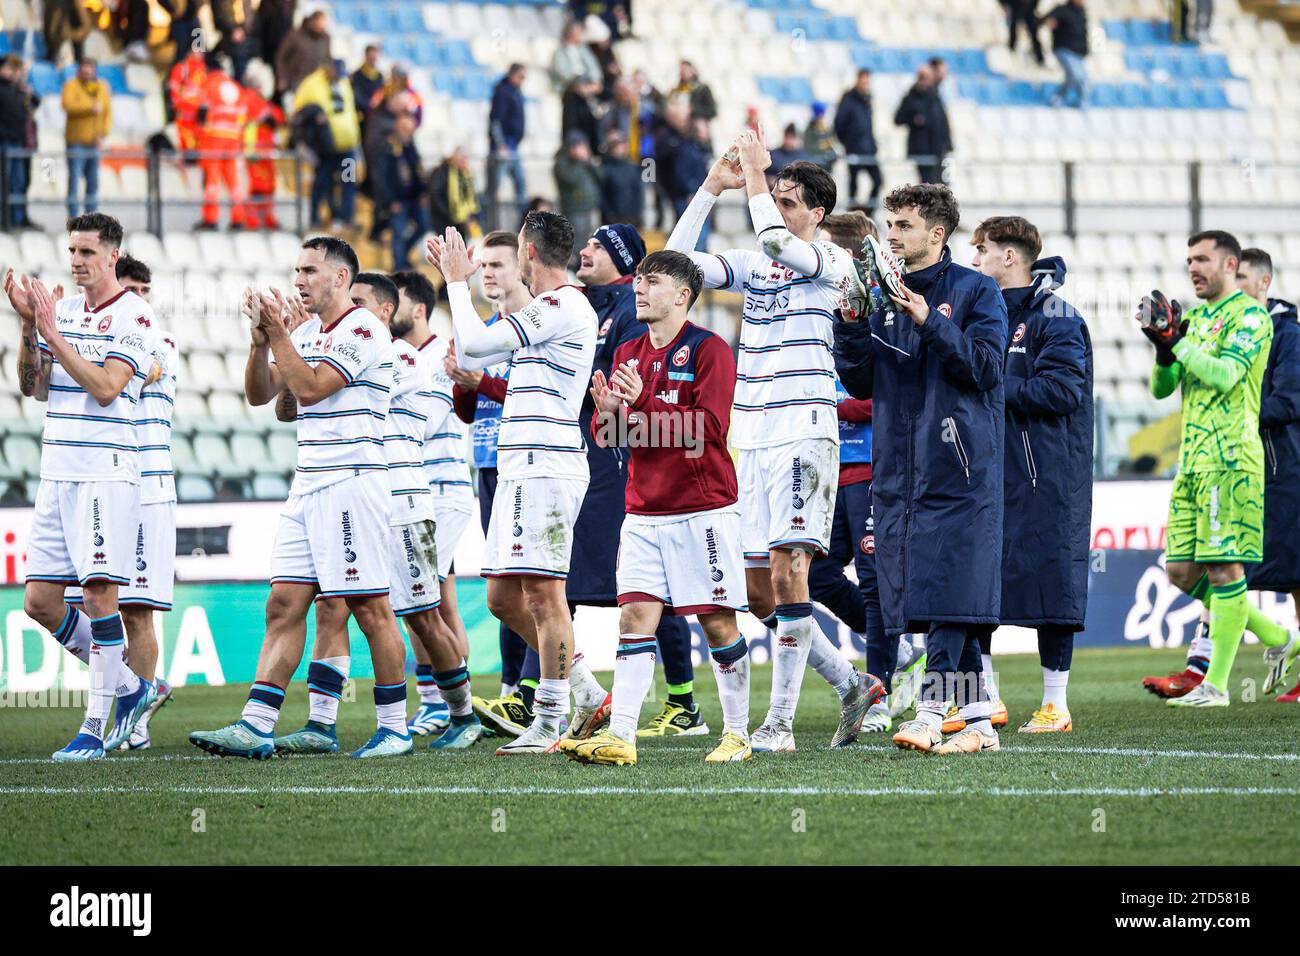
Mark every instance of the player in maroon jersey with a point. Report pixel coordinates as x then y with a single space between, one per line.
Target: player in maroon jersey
669 401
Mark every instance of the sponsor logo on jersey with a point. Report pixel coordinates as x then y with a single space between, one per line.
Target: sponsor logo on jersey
143 320
552 301
668 395
1019 333
408 545
408 359
95 524
682 356
797 522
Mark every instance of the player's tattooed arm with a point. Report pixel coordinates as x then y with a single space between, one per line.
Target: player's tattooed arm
33 367
286 407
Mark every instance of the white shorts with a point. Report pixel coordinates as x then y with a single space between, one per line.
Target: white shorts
413 568
84 531
334 538
531 528
787 495
452 517
691 562
153 577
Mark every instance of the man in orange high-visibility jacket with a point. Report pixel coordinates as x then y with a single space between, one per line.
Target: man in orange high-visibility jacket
264 119
222 118
185 88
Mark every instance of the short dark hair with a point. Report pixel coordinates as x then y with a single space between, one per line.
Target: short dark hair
676 265
552 235
1222 240
849 230
385 288
1015 231
417 287
863 72
501 237
816 185
108 228
1258 258
336 251
934 201
129 267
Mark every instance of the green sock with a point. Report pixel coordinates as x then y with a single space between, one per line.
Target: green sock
1262 626
1228 608
1201 590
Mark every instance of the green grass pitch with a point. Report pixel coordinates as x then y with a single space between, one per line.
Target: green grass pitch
1137 782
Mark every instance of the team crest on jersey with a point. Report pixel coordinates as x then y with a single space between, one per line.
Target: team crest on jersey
1019 333
105 323
945 309
682 356
1217 327
868 544
604 328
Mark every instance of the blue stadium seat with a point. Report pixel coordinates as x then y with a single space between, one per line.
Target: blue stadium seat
409 19
844 29
1104 95
1159 96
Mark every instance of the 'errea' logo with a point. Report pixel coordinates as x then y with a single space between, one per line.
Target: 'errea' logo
76 909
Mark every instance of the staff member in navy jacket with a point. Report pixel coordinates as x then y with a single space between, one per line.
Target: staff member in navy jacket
1279 427
931 361
1048 457
606 266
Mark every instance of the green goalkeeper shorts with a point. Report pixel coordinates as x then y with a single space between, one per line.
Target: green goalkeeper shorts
1216 517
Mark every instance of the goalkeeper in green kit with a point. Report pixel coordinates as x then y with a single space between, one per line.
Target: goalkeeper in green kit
1217 352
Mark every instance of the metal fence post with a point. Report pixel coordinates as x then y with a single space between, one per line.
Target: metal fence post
153 202
4 187
297 190
1194 192
1071 203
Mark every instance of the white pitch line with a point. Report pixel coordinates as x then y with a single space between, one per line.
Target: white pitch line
669 791
1014 750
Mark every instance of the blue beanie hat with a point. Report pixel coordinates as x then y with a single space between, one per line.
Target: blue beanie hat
624 245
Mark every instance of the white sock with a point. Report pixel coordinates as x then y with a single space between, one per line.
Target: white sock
74 634
931 713
551 704
906 653
392 716
794 636
508 689
1201 645
1054 686
634 672
826 660
107 650
455 689
587 692
260 716
128 681
976 714
990 679
324 708
430 693
731 673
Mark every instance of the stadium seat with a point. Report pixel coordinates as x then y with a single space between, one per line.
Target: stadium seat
282 446
195 488
270 487
22 455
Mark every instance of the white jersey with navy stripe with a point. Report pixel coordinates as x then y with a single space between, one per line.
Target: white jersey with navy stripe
154 425
343 435
410 407
84 441
445 465
785 373
549 375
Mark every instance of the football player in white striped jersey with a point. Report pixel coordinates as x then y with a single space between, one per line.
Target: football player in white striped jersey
332 540
541 452
784 420
88 356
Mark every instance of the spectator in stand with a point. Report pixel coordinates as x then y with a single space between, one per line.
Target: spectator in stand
376 133
574 62
89 110
818 140
790 151
64 21
857 134
505 133
689 84
223 122
303 52
399 187
690 167
621 188
1022 12
1069 26
616 14
453 197
577 114
367 80
601 44
274 24
329 91
16 109
399 81
133 29
184 90
923 113
235 20
578 180
265 119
